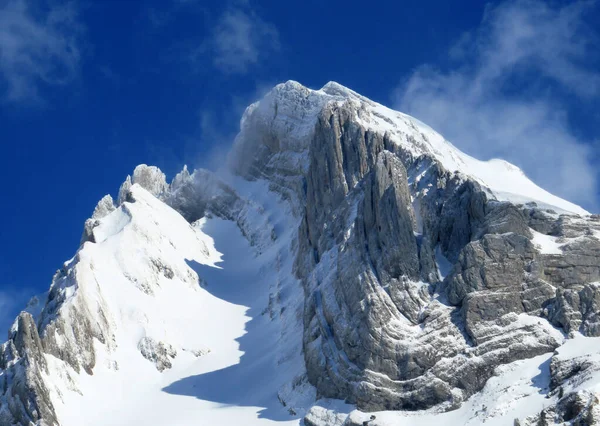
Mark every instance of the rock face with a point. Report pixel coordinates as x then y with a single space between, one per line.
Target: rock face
422 271
381 212
25 397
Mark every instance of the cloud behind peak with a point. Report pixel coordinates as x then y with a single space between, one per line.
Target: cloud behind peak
240 40
504 93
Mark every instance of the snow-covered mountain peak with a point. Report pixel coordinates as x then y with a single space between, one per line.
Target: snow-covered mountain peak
151 178
350 253
291 110
336 89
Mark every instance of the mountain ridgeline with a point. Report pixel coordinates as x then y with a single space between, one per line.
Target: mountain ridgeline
402 275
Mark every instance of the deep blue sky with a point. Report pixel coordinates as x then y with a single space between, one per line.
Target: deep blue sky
90 89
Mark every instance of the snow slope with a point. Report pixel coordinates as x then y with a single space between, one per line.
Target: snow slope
228 368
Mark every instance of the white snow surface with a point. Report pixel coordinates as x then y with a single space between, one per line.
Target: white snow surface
547 244
292 110
236 358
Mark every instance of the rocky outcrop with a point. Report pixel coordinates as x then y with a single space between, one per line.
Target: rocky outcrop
577 309
151 178
159 353
104 207
576 408
318 416
24 396
572 377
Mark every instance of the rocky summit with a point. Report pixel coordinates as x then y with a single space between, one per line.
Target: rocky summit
348 266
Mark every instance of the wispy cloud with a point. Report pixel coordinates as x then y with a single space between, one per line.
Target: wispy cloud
12 301
219 125
503 96
39 46
240 40
6 311
166 13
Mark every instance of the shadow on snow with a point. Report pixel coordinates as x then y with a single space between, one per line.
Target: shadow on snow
253 381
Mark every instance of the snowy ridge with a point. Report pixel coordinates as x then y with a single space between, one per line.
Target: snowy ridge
293 109
145 262
505 181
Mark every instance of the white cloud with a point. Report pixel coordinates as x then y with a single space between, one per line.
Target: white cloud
219 125
38 46
542 50
240 40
